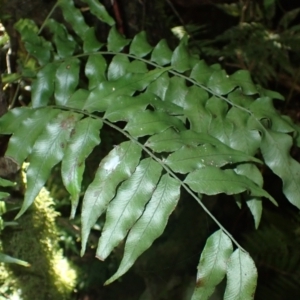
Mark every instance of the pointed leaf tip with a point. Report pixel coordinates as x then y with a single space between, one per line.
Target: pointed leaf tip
212 265
116 167
241 277
151 224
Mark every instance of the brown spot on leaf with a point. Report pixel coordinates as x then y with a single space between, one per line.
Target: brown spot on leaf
199 282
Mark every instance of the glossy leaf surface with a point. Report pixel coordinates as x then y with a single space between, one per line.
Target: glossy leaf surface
212 265
117 166
86 132
241 277
129 205
151 224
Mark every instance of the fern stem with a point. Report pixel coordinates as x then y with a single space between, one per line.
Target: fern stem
48 17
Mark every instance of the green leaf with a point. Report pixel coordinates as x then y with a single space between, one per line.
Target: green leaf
4 258
166 141
48 150
176 92
213 181
242 78
18 115
263 108
3 195
78 99
161 54
73 16
36 45
118 67
5 182
106 93
268 93
288 17
151 224
239 98
84 137
241 277
219 127
159 87
255 207
116 41
90 41
181 58
275 148
220 83
40 50
242 138
212 265
127 107
254 204
100 12
10 78
139 45
116 167
148 123
137 66
165 106
64 42
201 72
95 70
198 116
189 158
66 80
22 141
128 205
251 171
42 88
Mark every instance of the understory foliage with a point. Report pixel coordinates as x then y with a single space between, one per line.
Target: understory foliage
185 125
275 55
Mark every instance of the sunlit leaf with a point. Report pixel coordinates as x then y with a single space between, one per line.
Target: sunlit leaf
189 158
95 70
148 123
106 93
99 11
212 265
64 42
129 204
21 143
84 137
275 147
18 114
180 58
117 166
241 277
42 88
90 41
161 54
118 67
204 181
151 224
4 258
116 41
73 16
139 45
66 80
48 150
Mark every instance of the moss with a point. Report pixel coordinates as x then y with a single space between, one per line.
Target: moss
36 241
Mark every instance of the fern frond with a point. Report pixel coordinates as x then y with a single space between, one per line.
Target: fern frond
178 115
